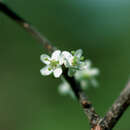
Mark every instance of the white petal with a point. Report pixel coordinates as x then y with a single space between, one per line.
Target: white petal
61 60
45 59
64 88
56 55
88 63
85 65
57 72
84 84
94 71
67 63
68 58
78 53
90 72
66 54
78 75
45 71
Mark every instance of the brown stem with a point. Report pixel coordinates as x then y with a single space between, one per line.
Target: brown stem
117 109
87 106
85 103
28 27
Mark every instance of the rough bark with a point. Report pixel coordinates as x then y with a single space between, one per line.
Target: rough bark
117 109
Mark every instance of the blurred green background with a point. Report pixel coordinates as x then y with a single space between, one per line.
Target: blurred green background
29 101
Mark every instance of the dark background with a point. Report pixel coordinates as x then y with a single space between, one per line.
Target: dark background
29 101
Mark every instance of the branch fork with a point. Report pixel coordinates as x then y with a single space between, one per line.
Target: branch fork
96 122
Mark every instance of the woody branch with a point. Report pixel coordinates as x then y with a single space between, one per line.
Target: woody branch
87 106
117 109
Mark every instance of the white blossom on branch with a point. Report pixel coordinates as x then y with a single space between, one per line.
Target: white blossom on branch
79 68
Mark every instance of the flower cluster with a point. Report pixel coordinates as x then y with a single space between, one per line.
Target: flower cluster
85 76
54 64
78 67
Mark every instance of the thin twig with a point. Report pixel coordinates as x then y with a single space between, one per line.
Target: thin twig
117 109
85 103
87 106
27 26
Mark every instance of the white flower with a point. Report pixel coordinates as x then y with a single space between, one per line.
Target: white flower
72 61
77 67
77 55
85 65
86 74
58 58
86 70
67 58
65 89
53 64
